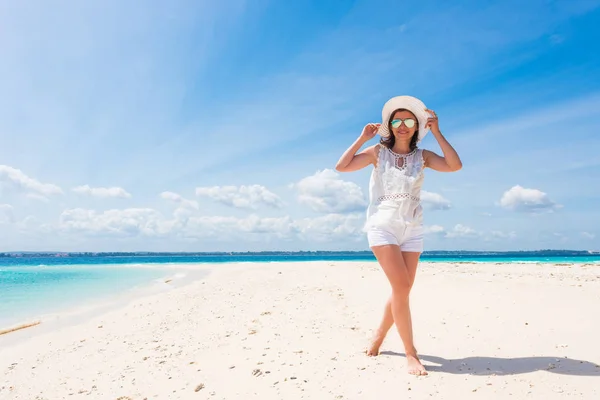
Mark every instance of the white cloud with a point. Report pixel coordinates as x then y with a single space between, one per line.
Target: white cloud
279 226
184 224
325 192
250 228
320 229
138 222
7 215
37 197
16 179
125 222
525 200
116 192
249 197
435 201
183 202
462 231
433 230
331 226
503 235
588 235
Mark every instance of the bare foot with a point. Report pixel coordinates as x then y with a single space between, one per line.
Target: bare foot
373 349
414 366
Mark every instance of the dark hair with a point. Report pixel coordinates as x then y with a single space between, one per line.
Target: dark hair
391 140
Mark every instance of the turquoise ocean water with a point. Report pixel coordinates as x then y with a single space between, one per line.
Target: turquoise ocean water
32 286
29 292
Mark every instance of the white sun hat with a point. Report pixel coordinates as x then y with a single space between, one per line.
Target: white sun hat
412 104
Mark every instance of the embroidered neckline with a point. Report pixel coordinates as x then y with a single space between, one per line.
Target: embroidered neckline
401 155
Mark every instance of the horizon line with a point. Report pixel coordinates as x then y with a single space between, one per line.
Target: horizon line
286 251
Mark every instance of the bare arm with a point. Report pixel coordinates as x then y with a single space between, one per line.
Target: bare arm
350 161
450 162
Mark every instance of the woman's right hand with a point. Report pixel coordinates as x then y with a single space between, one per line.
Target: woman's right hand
369 131
350 161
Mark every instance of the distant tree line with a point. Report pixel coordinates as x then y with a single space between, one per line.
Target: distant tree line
523 253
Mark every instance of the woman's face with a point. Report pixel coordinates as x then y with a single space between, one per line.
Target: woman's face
403 125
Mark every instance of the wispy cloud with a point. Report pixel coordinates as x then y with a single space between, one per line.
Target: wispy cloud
7 215
245 196
521 126
16 179
102 192
462 231
503 235
180 200
126 222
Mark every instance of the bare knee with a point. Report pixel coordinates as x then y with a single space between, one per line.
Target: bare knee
401 290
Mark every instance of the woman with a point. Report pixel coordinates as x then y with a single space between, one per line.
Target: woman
394 222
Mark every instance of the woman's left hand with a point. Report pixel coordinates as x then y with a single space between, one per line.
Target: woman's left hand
432 122
450 161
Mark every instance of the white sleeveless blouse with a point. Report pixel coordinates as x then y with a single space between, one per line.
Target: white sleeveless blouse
395 190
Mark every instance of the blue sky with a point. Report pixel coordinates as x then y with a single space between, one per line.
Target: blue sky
208 126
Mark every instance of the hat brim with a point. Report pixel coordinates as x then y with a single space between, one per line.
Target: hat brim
412 104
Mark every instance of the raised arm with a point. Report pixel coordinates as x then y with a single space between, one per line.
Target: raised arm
350 161
450 162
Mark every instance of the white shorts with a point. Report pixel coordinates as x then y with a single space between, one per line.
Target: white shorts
411 242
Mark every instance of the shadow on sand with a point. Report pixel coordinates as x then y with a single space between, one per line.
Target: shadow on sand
507 366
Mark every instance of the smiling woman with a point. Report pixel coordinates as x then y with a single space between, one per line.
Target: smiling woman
395 216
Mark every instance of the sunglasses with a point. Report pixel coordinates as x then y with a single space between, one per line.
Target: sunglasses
408 122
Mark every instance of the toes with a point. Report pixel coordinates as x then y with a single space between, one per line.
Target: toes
371 353
417 372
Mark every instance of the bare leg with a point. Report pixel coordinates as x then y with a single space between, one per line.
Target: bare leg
395 268
411 260
386 323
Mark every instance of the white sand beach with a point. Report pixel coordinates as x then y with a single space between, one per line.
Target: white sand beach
299 331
